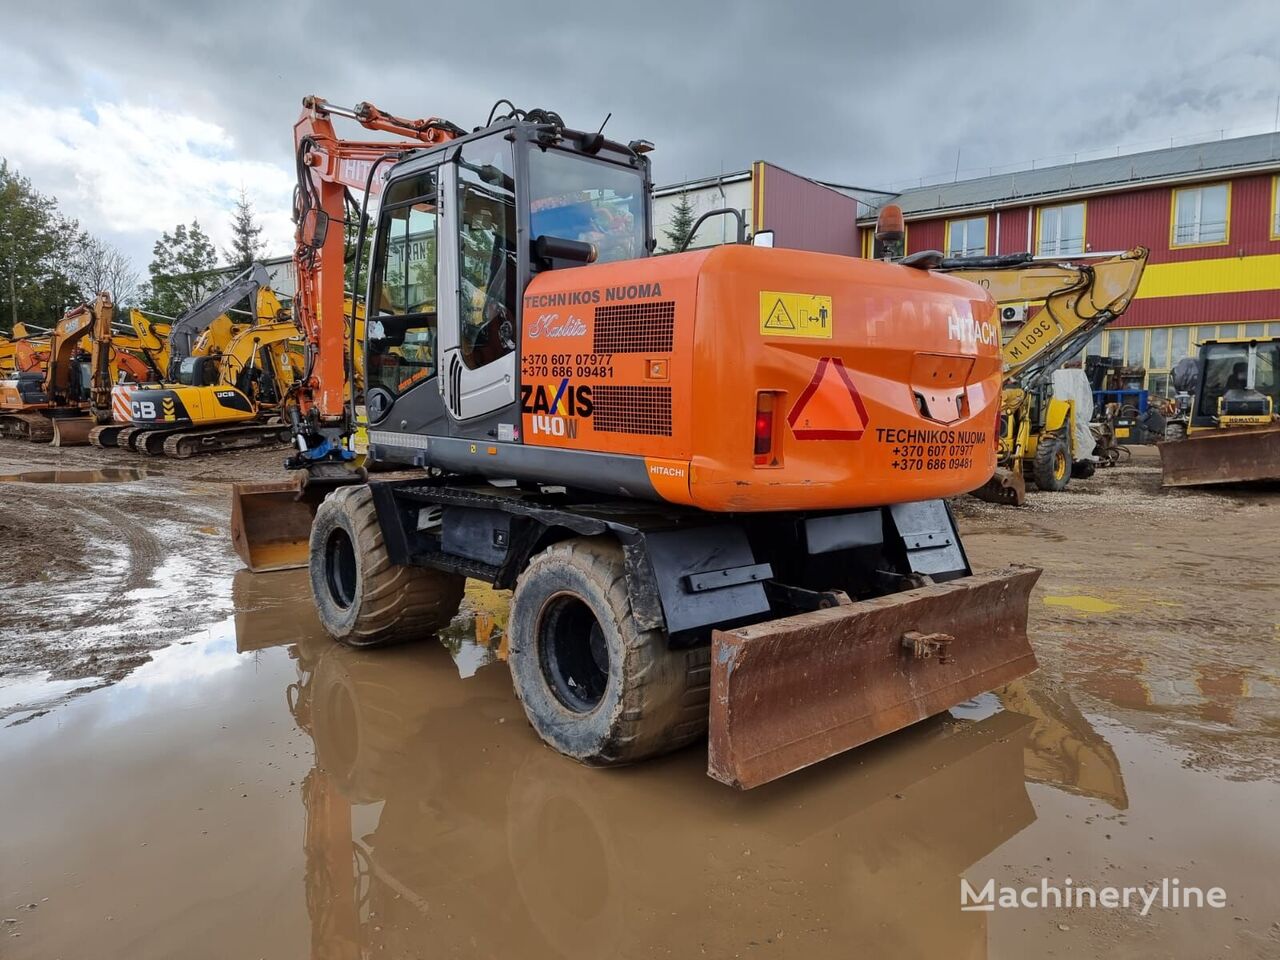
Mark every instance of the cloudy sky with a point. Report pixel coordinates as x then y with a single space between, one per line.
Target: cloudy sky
139 114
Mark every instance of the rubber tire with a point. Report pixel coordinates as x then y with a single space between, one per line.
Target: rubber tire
1083 469
655 698
1052 466
392 603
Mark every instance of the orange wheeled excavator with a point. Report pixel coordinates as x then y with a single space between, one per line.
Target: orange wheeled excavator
715 480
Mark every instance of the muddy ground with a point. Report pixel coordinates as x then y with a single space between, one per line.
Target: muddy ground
193 769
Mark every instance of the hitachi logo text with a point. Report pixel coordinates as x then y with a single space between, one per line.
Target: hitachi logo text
968 330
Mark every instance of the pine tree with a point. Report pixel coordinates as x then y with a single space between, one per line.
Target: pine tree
182 271
246 233
681 225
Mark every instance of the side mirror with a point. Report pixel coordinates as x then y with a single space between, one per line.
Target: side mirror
548 249
762 239
314 228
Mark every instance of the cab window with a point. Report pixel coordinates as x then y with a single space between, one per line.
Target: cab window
1226 367
577 198
487 251
401 327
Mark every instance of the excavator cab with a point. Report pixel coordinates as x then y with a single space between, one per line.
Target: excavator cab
198 371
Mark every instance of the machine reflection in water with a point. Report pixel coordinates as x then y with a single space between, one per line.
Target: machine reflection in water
435 818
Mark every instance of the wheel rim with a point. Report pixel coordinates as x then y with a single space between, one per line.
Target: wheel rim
340 568
1060 465
572 653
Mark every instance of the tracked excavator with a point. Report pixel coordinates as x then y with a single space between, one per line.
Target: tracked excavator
715 480
1229 398
217 375
62 401
1041 434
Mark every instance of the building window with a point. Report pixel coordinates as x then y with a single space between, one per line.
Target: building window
1181 343
1275 208
1133 348
967 238
1200 215
1061 230
1206 333
1158 355
1158 384
1094 347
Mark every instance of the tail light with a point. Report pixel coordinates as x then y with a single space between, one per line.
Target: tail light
764 430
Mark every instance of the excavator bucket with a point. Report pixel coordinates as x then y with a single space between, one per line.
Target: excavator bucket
791 692
1237 455
271 523
71 431
1006 487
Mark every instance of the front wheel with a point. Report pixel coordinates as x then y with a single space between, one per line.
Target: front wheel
365 600
1052 467
593 684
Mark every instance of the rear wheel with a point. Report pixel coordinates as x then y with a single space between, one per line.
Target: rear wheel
365 600
1052 467
594 685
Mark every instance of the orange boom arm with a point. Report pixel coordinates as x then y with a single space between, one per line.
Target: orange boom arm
327 168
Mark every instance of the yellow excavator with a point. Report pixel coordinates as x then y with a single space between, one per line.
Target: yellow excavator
197 339
1042 433
1228 400
219 399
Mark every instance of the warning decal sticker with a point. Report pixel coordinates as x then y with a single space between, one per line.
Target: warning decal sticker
795 315
830 408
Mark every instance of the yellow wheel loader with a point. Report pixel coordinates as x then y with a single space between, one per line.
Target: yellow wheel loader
1229 398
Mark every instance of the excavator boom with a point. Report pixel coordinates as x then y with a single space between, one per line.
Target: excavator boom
1080 297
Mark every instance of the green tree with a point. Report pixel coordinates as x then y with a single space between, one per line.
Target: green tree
246 236
681 225
182 271
36 241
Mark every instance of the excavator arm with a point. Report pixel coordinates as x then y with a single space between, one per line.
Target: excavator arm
186 329
1080 298
329 167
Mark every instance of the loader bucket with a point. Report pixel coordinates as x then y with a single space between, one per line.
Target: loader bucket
791 692
1229 456
271 523
71 431
1006 487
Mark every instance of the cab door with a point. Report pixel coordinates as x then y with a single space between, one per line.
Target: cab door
479 288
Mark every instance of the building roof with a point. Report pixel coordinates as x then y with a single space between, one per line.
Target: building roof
1194 161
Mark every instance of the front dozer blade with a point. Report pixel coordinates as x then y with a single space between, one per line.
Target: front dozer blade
271 523
71 431
1238 455
1006 487
791 692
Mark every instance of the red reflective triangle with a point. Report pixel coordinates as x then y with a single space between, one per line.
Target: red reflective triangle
830 408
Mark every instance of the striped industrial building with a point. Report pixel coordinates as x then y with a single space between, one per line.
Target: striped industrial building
1209 212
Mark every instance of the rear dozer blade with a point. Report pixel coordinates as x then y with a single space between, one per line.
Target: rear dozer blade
791 692
1231 456
72 431
1006 487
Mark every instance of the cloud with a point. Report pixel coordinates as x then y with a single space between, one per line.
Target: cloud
857 93
128 172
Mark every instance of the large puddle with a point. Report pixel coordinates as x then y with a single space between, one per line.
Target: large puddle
258 791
